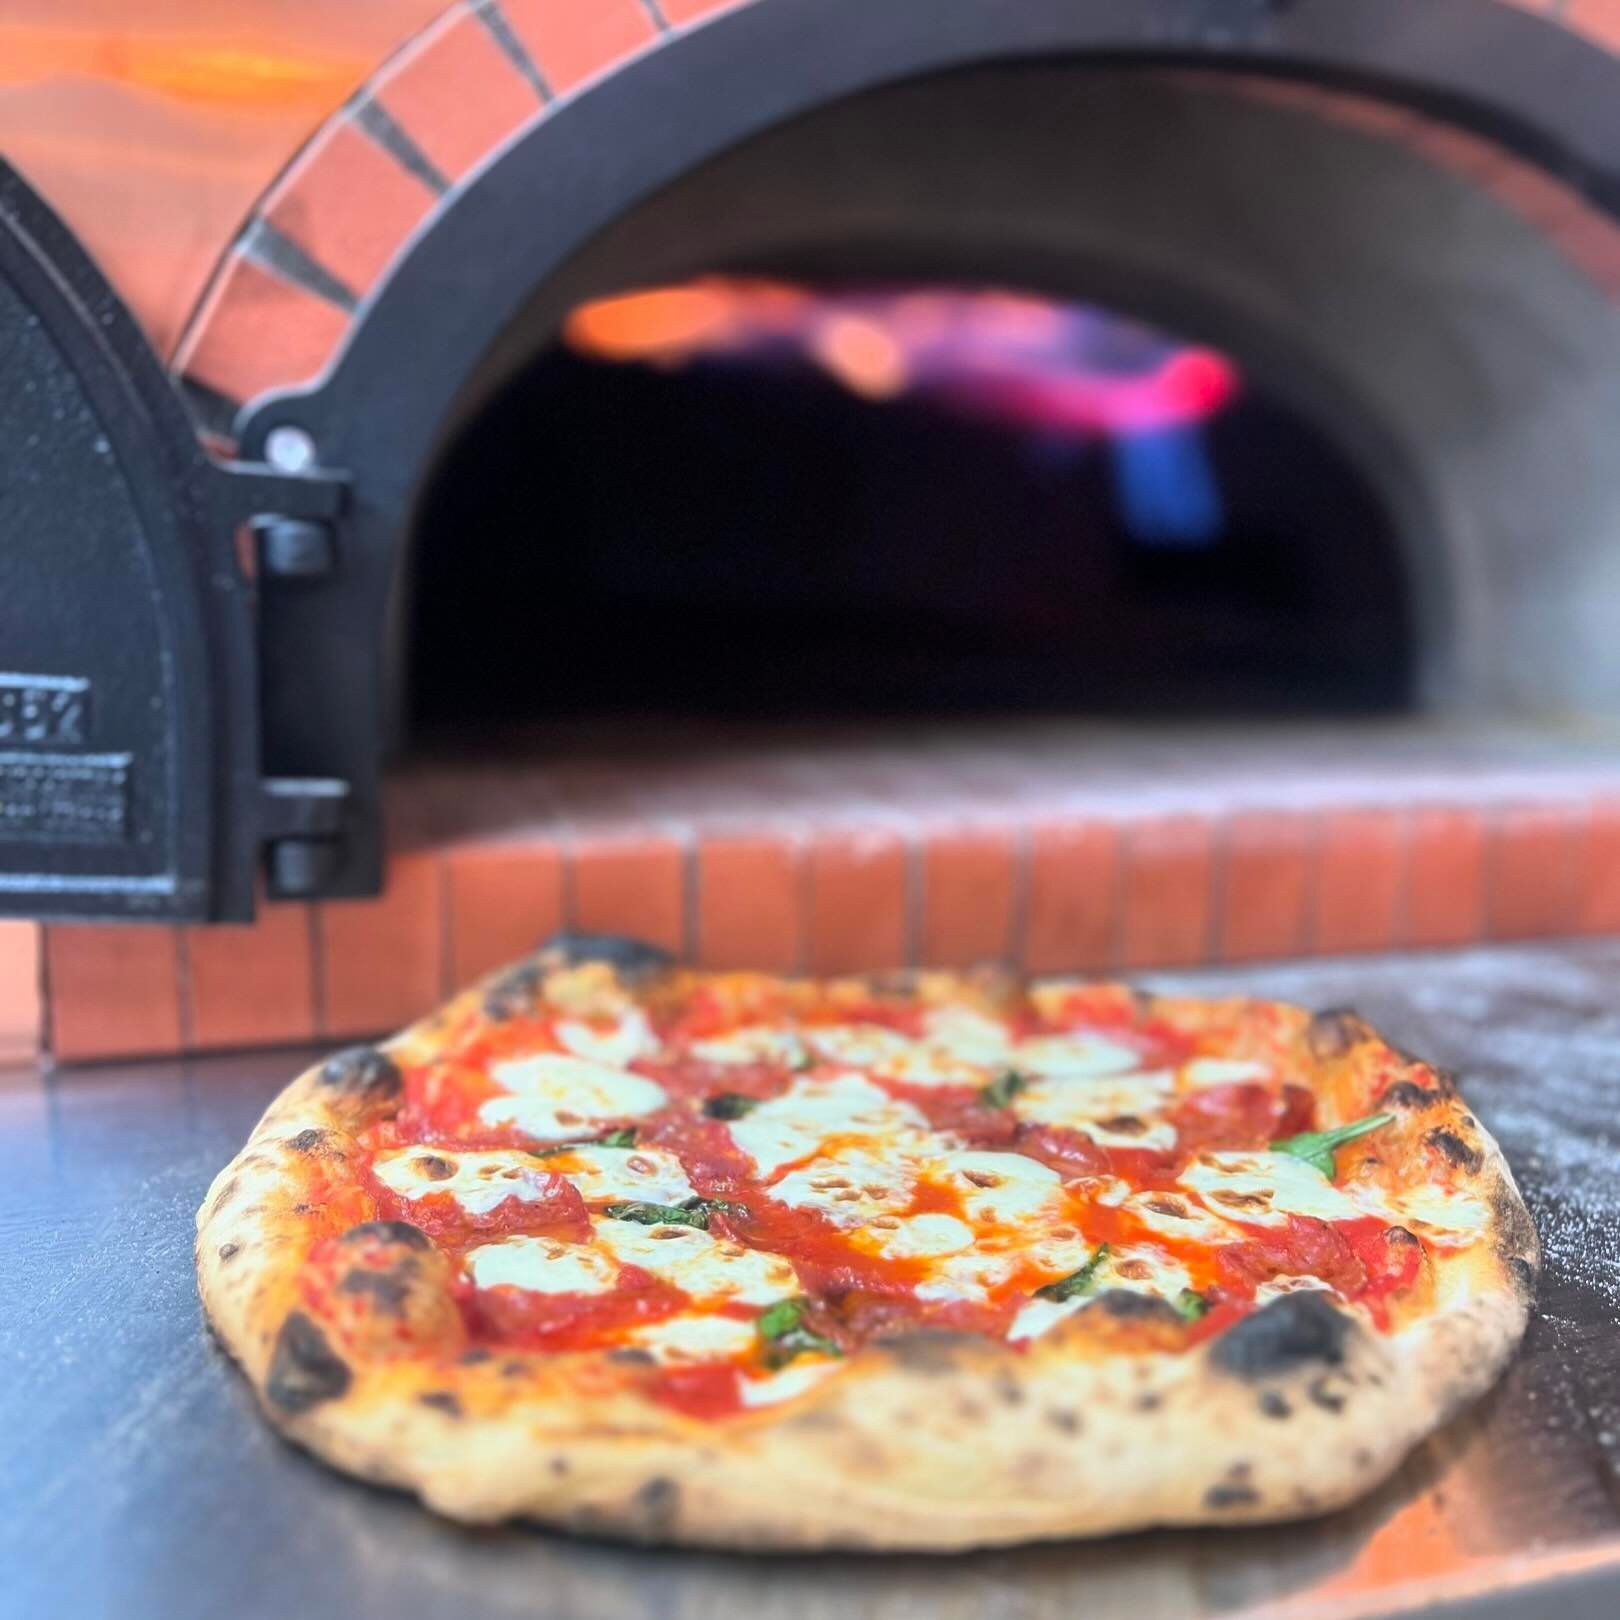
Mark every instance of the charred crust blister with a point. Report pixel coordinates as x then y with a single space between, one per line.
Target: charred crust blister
413 1237
312 1140
441 1400
1332 1033
1226 1496
656 1505
1297 1330
1125 1305
1407 1097
631 959
362 1071
229 1251
1273 1405
387 1290
304 1370
513 994
1455 1151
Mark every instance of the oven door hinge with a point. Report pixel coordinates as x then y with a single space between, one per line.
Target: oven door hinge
301 825
293 516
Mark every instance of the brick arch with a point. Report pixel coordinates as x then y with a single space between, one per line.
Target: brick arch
283 297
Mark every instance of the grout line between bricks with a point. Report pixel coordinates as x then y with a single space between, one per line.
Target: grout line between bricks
495 20
655 11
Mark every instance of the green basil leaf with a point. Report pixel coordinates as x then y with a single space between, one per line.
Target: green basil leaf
729 1105
782 1328
1077 1282
623 1138
660 1214
715 1206
1190 1304
1316 1148
780 1318
1001 1091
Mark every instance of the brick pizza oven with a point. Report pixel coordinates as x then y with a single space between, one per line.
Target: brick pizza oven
243 692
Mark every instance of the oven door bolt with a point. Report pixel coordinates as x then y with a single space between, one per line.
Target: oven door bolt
300 823
295 548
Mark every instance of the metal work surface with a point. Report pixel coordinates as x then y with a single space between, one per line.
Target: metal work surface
137 1479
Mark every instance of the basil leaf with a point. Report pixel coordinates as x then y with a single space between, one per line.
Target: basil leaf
660 1215
1001 1091
780 1318
716 1206
782 1328
1316 1148
729 1105
624 1138
1077 1282
1189 1303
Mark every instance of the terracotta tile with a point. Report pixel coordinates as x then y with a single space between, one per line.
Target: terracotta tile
456 93
252 985
1597 909
1071 922
21 1009
858 901
1165 896
114 990
504 900
1597 19
1265 888
750 905
1360 880
968 886
348 204
570 40
1445 885
256 331
677 12
382 961
1534 875
635 885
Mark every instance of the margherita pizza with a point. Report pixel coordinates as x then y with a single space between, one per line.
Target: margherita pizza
929 1261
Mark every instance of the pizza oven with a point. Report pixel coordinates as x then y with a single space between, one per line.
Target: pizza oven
816 484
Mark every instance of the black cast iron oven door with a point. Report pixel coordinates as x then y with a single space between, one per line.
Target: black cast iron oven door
130 782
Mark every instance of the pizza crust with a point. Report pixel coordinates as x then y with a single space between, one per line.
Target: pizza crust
936 1442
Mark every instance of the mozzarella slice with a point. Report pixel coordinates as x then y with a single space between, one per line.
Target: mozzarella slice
1072 1057
616 1044
861 1046
754 1043
791 1127
1182 1218
1001 1189
1437 1214
916 1237
849 1187
799 1376
605 1174
1143 1269
967 1276
479 1182
700 1264
1041 1316
542 1266
552 1096
1117 1110
696 1338
1207 1071
968 1037
1264 1189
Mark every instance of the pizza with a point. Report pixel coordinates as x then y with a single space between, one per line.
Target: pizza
919 1261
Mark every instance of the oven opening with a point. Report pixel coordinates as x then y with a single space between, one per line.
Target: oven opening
763 500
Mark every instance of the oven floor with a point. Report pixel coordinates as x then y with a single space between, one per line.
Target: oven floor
136 1479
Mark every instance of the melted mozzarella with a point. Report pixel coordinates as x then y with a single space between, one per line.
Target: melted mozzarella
696 1338
849 1187
754 1043
967 1276
1435 1213
542 1266
810 1112
1264 1189
1094 1105
603 1174
1001 1189
1207 1071
479 1182
1178 1217
698 1263
800 1375
861 1046
619 1043
1143 1269
1072 1057
1041 1316
916 1237
553 1097
968 1037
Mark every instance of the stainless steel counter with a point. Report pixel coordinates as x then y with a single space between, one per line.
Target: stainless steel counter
136 1478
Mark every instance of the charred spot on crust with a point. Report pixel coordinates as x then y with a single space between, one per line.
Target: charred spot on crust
441 1400
513 993
631 959
387 1290
308 1141
1272 1405
1009 1391
1323 1395
472 1358
434 1167
931 1353
304 1371
655 1506
226 1194
891 982
1332 1033
1524 1276
1125 1305
413 1237
1063 1420
1293 1331
1456 1152
1406 1096
362 1071
1230 1496
632 1356
228 1251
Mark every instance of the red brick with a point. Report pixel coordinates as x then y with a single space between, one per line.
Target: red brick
969 876
253 985
382 961
687 11
1265 890
256 332
1591 241
1445 883
857 901
503 901
21 1009
1597 19
348 204
1360 880
632 885
1534 874
1165 898
1073 893
1597 909
456 93
750 903
114 991
570 40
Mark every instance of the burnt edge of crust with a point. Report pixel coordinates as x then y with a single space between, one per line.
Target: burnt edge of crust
1126 1305
1408 1096
632 959
1333 1032
362 1071
1284 1335
413 1237
304 1369
1454 1150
